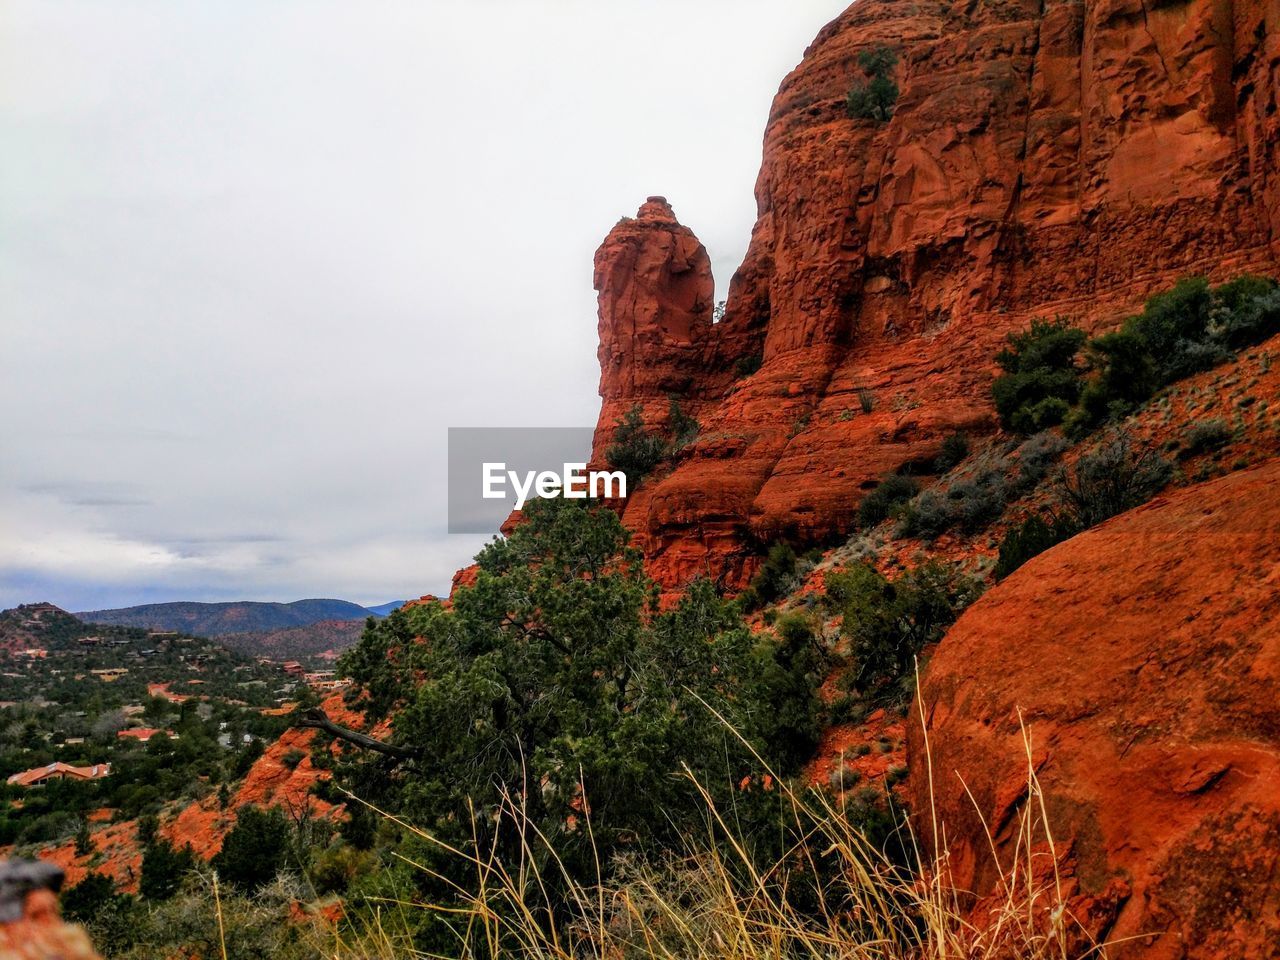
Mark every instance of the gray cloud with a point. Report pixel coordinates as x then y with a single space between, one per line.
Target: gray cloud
257 259
87 493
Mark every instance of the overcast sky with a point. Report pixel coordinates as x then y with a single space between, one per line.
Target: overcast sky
256 257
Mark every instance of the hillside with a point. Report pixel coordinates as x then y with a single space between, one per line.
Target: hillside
37 625
216 619
321 640
52 655
165 713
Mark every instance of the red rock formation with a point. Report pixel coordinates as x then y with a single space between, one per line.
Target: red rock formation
1144 657
1055 157
115 854
274 780
41 935
654 281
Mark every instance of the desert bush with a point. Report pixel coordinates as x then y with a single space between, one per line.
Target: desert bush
48 827
255 850
889 623
777 577
977 501
874 96
683 427
1205 436
1172 325
1116 476
195 922
1028 539
844 777
954 450
782 684
292 758
747 365
928 516
83 902
84 840
1124 376
163 868
1041 378
1182 331
1247 312
866 399
880 503
335 867
968 502
1036 457
245 758
635 449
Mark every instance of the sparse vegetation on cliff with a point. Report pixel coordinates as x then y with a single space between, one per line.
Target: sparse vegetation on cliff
1205 436
889 622
892 492
873 97
1185 330
1117 475
636 449
1041 379
973 497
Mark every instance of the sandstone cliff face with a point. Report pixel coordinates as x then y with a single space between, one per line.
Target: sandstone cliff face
1056 157
1144 658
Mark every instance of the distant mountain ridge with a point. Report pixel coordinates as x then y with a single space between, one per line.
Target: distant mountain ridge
218 619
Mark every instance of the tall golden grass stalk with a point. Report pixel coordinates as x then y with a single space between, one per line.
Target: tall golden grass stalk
712 901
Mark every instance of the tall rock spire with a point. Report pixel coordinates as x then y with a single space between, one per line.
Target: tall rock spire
655 290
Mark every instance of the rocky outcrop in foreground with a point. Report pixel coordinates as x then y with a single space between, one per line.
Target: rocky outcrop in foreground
1144 659
1055 157
30 926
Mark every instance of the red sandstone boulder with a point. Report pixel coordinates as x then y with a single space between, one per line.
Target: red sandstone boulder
41 934
1144 658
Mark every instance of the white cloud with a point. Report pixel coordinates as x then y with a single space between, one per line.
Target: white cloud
258 257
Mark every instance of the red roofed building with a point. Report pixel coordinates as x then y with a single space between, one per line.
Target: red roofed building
142 734
162 691
59 771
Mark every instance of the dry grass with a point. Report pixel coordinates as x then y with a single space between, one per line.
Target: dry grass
712 901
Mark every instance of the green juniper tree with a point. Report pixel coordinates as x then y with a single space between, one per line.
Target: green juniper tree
874 97
554 684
